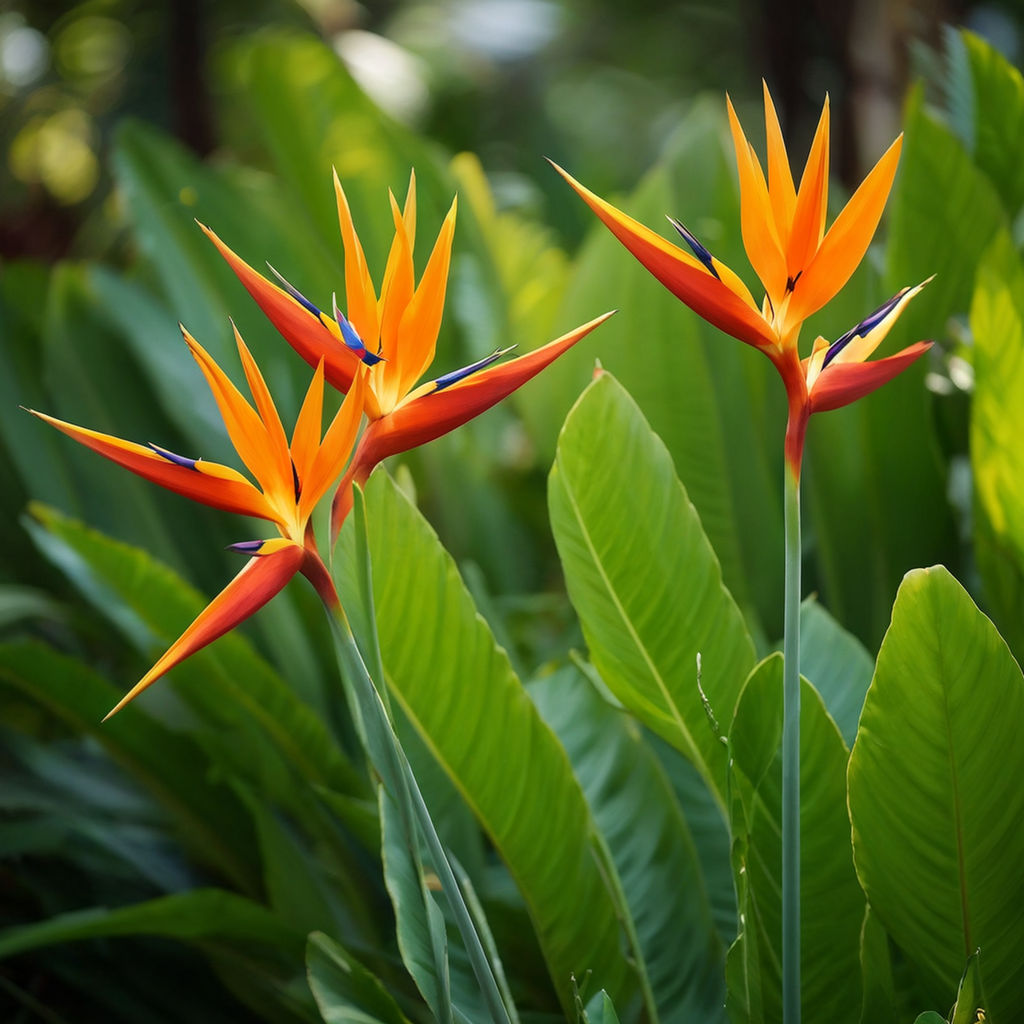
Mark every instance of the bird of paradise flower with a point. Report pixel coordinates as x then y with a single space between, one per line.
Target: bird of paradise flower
800 265
396 333
292 479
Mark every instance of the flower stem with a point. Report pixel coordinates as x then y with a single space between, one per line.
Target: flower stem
791 756
389 761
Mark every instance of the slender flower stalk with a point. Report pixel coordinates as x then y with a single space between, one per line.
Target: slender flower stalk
801 266
293 477
396 333
791 756
391 764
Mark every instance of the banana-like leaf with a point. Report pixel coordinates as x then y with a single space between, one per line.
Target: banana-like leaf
997 416
715 403
985 96
171 766
934 795
643 577
345 991
664 893
832 904
458 689
836 663
255 724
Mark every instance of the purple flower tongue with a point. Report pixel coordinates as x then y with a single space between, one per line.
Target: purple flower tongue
178 460
864 328
247 547
698 250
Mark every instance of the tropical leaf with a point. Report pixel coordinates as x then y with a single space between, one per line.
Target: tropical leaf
652 852
643 577
457 688
936 820
985 96
997 326
836 663
713 401
255 725
345 991
210 819
832 904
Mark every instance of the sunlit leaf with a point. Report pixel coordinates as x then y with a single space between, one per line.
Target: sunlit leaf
936 817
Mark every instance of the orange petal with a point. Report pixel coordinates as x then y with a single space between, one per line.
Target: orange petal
808 225
422 318
247 431
846 242
360 296
277 444
780 179
757 218
262 578
205 482
308 424
732 311
333 452
396 291
840 384
303 331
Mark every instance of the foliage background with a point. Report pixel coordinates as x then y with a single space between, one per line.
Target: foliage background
123 121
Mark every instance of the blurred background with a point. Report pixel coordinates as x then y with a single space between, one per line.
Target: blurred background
194 817
511 80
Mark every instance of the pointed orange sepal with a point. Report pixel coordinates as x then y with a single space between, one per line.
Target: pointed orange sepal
300 328
205 482
431 415
840 384
683 275
262 578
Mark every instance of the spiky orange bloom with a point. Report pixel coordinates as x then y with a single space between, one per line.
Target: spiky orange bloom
292 479
396 334
801 267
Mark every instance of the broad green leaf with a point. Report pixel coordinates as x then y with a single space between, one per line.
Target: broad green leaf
166 189
345 991
18 603
997 416
253 723
716 403
310 115
935 809
203 916
832 904
986 92
211 820
930 1017
836 663
457 688
970 999
878 1003
600 1010
643 577
651 848
706 822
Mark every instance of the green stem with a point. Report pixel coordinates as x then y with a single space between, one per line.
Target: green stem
791 757
389 760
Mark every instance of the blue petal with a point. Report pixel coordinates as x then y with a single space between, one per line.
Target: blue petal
247 547
456 375
698 250
864 328
295 293
351 338
178 460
